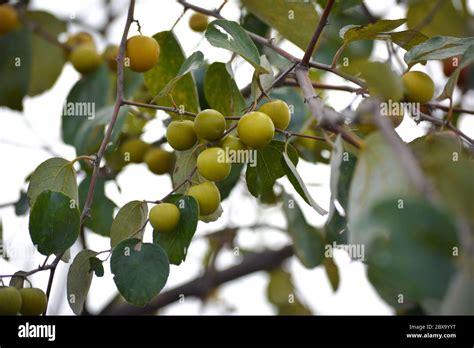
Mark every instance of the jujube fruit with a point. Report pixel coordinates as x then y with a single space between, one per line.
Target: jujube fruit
134 150
256 129
8 19
279 112
10 301
419 87
85 58
198 22
207 195
209 124
142 53
110 56
164 217
181 135
158 160
212 164
33 301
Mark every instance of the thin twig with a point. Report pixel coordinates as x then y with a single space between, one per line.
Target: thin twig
159 107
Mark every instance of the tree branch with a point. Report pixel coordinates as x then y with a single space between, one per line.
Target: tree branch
202 286
323 21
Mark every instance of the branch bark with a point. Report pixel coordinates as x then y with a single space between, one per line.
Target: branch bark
202 286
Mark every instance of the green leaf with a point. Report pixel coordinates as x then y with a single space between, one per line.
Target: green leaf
96 266
195 61
54 222
370 31
280 287
270 167
299 109
54 174
22 206
287 17
88 95
15 67
129 222
221 91
140 270
18 279
382 81
79 279
438 48
230 36
377 176
411 252
101 209
300 186
176 243
185 162
255 25
227 185
308 242
168 66
89 135
408 39
332 272
47 59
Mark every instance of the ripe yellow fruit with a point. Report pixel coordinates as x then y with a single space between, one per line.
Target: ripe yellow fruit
181 135
256 129
133 150
209 124
142 53
208 197
79 39
198 22
10 301
212 164
164 217
33 301
419 87
110 56
8 19
232 143
279 112
85 59
159 161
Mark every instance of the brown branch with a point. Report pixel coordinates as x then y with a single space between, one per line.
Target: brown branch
159 107
455 109
202 286
317 85
323 21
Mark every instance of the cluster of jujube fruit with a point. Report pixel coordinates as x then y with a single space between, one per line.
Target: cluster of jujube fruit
24 301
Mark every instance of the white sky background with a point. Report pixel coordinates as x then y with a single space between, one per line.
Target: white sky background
21 134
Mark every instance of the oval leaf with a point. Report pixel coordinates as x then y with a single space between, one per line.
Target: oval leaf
79 279
129 222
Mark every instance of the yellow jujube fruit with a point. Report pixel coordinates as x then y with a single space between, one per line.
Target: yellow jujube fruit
213 165
133 150
256 129
279 112
418 86
209 124
85 59
8 19
142 53
110 56
208 197
10 301
158 160
181 135
198 22
33 301
164 217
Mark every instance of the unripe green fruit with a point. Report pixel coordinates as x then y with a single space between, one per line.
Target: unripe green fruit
10 301
209 124
208 197
419 87
232 143
256 129
33 301
85 58
181 135
110 56
164 217
279 112
8 19
158 160
142 53
134 150
212 164
198 22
